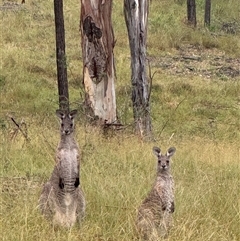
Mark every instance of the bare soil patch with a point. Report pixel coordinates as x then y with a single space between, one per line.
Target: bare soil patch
192 60
12 6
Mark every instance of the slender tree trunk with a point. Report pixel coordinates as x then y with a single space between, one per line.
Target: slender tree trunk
207 15
98 59
136 17
191 12
60 56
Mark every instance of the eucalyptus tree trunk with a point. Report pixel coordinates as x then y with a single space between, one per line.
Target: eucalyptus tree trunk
98 59
207 15
61 56
191 12
136 18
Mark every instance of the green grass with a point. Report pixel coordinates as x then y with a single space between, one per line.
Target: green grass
199 116
115 179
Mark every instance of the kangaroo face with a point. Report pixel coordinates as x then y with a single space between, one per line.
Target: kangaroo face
67 121
163 160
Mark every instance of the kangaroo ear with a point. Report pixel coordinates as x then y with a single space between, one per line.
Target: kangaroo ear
171 151
60 114
156 151
72 114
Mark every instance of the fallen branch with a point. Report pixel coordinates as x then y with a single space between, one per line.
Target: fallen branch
19 127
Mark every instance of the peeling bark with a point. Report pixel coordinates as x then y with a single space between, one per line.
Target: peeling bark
98 59
136 17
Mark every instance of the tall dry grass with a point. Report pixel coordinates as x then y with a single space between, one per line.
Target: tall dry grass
200 117
116 174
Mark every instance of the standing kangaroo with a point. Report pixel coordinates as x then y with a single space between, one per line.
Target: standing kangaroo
62 199
155 213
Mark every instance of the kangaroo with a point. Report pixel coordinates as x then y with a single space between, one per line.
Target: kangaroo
62 199
155 213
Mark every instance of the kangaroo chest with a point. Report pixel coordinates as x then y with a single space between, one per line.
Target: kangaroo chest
68 154
165 188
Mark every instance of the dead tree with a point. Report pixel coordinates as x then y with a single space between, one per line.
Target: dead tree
98 59
61 56
136 18
191 13
207 15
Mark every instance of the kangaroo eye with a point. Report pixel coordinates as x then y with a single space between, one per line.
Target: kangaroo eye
71 125
62 125
167 161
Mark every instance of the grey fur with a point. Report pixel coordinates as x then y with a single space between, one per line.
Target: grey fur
62 199
155 213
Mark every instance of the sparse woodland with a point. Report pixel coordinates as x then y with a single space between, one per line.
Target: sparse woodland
195 107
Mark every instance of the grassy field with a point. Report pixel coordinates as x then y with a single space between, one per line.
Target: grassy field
198 114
